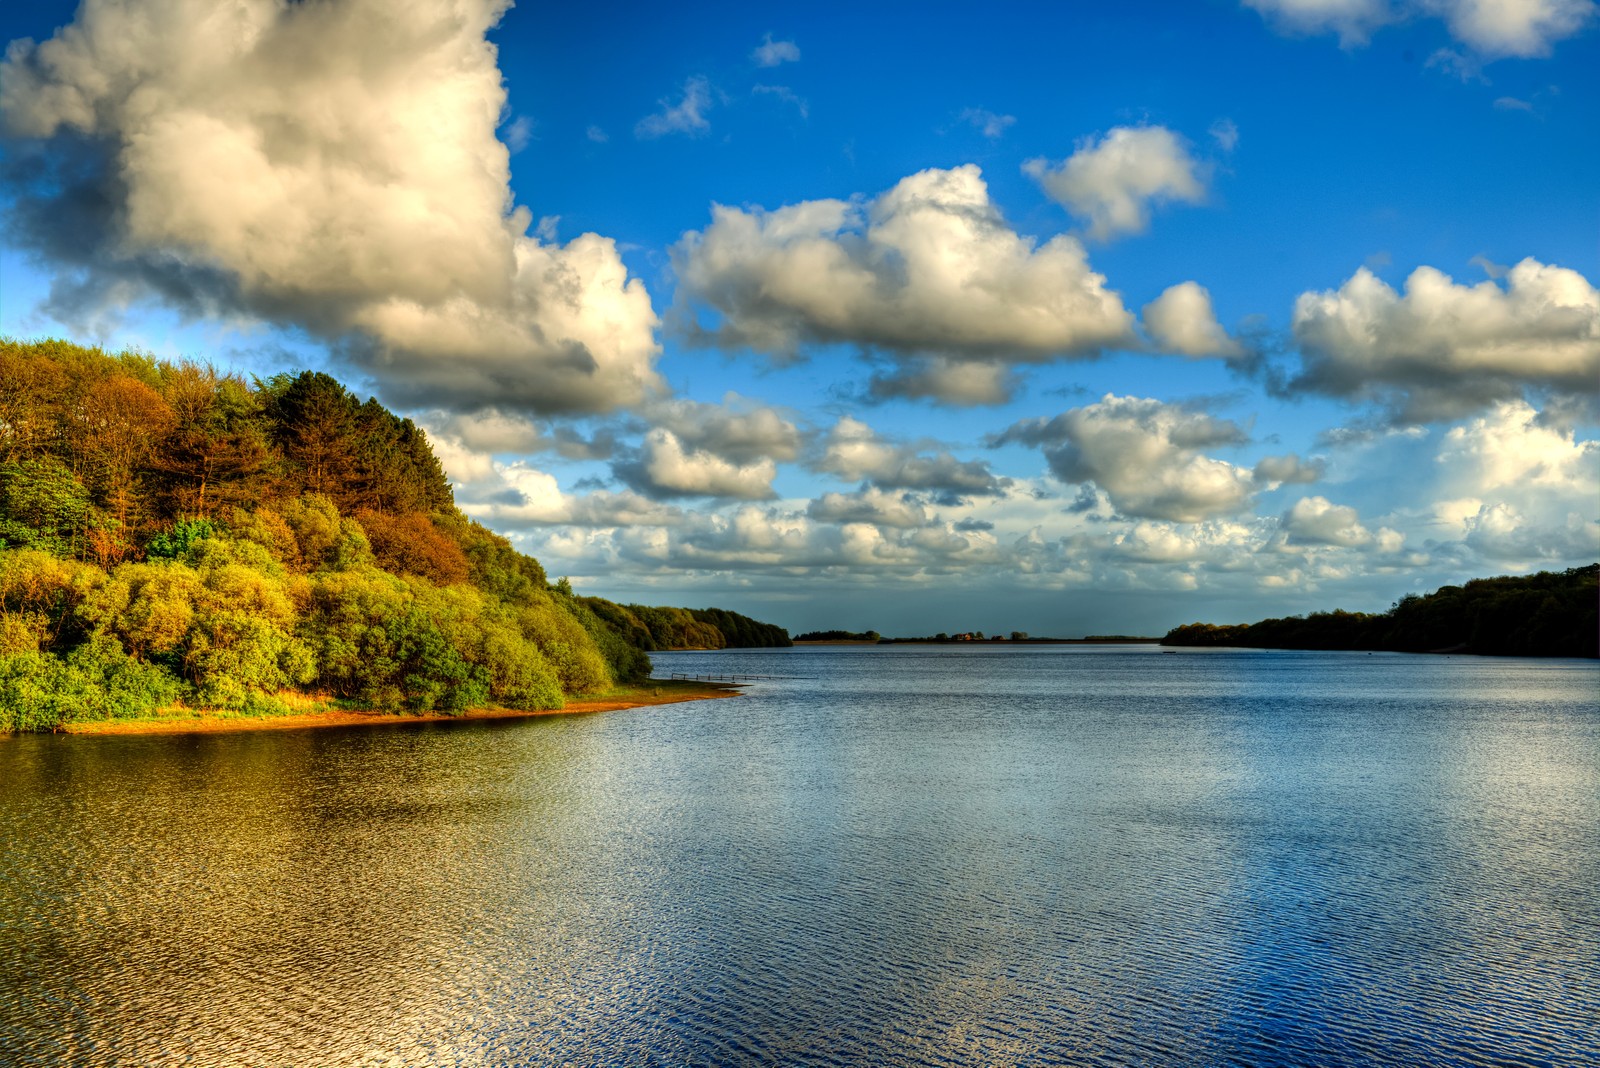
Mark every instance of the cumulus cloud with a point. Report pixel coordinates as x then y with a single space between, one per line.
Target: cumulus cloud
854 452
1492 28
770 53
927 269
1443 350
1352 20
1501 533
965 383
737 430
870 505
334 167
1181 320
1318 521
1113 183
665 468
490 431
1511 448
1145 455
527 497
1274 471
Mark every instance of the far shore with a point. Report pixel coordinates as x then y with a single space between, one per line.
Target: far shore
996 641
192 721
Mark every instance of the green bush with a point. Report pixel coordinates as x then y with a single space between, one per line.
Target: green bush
97 681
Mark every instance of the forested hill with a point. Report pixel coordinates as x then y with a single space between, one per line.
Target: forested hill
1553 613
173 534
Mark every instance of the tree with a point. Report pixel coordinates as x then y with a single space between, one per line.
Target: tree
314 423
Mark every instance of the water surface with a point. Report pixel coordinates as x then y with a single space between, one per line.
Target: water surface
904 855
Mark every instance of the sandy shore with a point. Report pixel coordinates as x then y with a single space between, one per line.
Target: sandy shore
186 721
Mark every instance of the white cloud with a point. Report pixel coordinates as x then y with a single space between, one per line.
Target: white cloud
1145 455
1523 28
1274 471
1508 448
687 116
1493 28
1318 521
870 505
329 166
770 53
736 430
1181 320
928 268
966 383
1113 183
1225 132
986 122
855 452
1352 20
1499 532
1443 350
785 94
665 468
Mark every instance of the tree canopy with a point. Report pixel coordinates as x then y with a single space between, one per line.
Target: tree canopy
1552 613
170 533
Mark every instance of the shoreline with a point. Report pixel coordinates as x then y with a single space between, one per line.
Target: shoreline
646 694
992 641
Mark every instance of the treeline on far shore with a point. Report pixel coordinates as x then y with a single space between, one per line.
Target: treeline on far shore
1552 613
172 535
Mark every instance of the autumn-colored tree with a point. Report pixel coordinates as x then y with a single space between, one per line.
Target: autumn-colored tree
411 544
218 453
30 409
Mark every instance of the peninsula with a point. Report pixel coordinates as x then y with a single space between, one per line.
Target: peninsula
178 542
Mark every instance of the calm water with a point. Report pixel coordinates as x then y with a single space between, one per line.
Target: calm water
914 855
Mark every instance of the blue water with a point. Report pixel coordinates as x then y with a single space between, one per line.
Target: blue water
906 855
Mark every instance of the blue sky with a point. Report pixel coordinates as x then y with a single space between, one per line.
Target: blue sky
913 373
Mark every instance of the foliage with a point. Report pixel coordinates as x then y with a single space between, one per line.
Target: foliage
98 680
172 533
837 636
173 542
1552 613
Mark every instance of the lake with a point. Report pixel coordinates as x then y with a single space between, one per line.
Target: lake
902 855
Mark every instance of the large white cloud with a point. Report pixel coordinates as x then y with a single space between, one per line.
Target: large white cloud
332 166
1113 183
1145 454
1442 350
929 268
1492 28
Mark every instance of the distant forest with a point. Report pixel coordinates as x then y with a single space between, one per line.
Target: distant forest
838 636
1553 613
172 534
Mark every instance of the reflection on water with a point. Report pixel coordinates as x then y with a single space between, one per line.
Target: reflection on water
909 855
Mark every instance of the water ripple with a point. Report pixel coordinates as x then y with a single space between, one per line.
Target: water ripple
917 857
